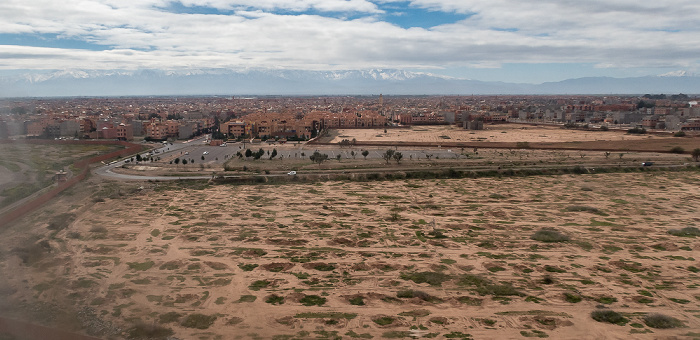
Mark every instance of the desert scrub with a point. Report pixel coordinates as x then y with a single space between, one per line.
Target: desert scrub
584 208
609 316
274 299
260 284
169 317
662 321
549 236
247 298
357 301
247 267
685 232
384 320
198 321
140 266
572 298
432 278
409 294
312 300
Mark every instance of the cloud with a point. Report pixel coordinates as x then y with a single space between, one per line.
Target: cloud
350 34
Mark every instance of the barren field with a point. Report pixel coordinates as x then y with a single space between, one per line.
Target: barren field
460 259
509 133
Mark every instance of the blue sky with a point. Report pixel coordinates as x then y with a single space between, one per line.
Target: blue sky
491 40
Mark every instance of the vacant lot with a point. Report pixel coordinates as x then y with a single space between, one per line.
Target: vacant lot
486 258
26 168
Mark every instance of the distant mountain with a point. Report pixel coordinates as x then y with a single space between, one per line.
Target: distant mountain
295 82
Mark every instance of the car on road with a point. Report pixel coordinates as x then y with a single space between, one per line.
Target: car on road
647 163
205 153
187 152
292 173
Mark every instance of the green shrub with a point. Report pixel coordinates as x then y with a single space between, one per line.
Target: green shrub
275 299
198 321
685 232
572 298
662 321
609 316
549 236
257 285
312 300
247 267
384 320
357 301
432 278
169 317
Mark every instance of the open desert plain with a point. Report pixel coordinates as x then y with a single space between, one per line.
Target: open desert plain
572 256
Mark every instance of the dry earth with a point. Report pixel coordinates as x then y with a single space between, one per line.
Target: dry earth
394 259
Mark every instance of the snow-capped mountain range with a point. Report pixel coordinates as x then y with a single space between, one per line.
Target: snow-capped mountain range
298 82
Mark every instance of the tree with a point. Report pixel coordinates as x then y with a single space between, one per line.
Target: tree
337 157
274 153
365 153
202 157
352 153
607 154
318 157
177 160
388 155
248 153
138 157
184 162
696 154
397 157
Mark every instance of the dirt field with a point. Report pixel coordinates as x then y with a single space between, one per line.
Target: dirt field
482 259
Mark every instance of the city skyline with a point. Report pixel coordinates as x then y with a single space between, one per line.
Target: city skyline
501 40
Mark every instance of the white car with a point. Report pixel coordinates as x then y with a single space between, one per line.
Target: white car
292 173
205 153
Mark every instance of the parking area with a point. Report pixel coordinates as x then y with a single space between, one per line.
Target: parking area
220 154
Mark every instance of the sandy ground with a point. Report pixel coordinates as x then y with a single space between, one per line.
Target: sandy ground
285 260
492 133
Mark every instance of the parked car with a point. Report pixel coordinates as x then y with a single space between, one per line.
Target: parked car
292 173
647 163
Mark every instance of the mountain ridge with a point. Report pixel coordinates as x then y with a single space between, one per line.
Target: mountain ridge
77 82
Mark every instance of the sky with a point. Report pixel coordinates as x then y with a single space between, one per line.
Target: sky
491 40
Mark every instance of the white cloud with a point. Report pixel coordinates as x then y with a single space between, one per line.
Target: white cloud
140 34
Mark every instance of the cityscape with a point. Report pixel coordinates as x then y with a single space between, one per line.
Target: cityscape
349 169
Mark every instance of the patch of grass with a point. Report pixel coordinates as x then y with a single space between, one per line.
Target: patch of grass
685 232
326 315
274 299
534 334
681 301
247 267
247 298
140 266
384 320
549 236
584 208
396 334
198 321
469 301
458 335
572 298
260 284
432 278
609 316
606 299
662 321
312 300
357 301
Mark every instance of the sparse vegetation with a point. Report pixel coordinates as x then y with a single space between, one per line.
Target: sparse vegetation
609 316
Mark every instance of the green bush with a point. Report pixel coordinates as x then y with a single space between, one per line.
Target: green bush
432 278
549 236
609 316
357 301
384 320
662 321
685 232
312 300
257 285
275 299
572 298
